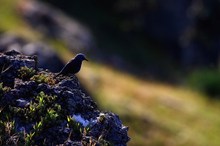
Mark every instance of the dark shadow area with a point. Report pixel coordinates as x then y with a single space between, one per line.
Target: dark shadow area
163 40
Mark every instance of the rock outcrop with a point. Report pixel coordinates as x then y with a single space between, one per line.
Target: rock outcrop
37 108
55 24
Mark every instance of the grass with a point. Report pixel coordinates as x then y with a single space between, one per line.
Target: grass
11 21
157 114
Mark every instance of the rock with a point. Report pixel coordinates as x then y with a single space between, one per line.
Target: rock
22 103
11 42
47 58
116 132
52 111
10 63
71 84
55 24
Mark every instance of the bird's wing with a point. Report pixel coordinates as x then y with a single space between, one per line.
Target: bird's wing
70 67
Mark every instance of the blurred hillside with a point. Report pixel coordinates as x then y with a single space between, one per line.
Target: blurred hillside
157 114
160 39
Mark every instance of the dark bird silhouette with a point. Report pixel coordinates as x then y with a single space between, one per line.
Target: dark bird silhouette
73 66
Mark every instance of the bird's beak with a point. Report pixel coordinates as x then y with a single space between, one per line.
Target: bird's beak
86 59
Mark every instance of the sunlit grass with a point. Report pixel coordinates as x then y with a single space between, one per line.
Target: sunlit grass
11 22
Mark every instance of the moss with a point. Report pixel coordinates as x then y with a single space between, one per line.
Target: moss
3 90
26 73
43 78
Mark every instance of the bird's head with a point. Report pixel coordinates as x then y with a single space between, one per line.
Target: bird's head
81 57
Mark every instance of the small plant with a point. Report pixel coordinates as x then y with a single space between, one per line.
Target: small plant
3 89
43 105
9 127
26 73
43 78
103 142
38 126
28 138
51 115
42 111
75 126
7 133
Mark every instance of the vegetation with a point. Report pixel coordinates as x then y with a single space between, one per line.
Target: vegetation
156 113
207 81
3 89
43 111
26 73
43 78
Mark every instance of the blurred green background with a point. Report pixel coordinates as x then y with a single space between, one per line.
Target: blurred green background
155 63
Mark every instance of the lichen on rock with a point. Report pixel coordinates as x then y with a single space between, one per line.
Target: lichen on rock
37 108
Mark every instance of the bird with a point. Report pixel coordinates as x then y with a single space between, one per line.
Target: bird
74 65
